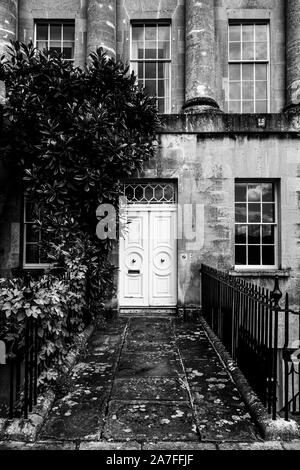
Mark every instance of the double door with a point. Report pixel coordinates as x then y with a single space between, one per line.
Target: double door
148 258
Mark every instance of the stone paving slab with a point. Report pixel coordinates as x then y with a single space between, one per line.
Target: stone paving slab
273 445
110 446
150 329
156 364
150 389
82 420
150 421
134 345
179 446
293 445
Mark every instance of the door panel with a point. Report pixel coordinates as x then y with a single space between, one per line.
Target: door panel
162 259
134 251
148 257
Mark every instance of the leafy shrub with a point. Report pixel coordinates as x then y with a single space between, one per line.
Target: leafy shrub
57 304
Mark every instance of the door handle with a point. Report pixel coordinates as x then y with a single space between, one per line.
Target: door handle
162 260
134 261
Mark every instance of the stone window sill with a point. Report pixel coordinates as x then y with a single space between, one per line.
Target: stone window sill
270 273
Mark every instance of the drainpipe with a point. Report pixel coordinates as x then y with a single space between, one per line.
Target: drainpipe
292 53
200 71
101 26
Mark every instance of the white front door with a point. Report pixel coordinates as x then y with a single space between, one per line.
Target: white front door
148 267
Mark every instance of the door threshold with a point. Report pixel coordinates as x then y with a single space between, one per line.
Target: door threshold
148 311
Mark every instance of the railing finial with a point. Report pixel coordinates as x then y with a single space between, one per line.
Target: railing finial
276 294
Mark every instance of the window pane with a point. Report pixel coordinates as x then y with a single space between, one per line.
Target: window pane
268 235
254 234
248 107
68 51
42 32
41 45
261 32
138 33
163 33
235 51
55 32
29 212
254 192
240 213
269 213
240 192
150 86
32 254
32 235
150 70
137 50
254 256
163 50
162 85
261 107
248 90
68 32
151 51
234 72
261 90
248 71
248 32
234 91
241 234
240 255
268 192
140 70
234 107
254 214
268 255
234 32
161 68
161 105
261 51
55 46
151 33
248 51
261 72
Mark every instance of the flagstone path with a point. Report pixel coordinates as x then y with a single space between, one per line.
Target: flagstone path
149 380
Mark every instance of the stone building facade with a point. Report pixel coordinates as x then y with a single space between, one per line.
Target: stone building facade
227 77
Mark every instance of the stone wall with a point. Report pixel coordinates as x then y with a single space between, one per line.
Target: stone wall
205 154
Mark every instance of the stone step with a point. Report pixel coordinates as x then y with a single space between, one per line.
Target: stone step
148 312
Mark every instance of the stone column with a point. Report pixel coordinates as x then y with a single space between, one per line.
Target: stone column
8 23
293 52
200 95
101 26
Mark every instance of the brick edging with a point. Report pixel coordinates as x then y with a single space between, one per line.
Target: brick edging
27 429
270 430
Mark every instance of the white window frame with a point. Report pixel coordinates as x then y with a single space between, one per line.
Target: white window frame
61 23
276 224
145 23
243 62
25 223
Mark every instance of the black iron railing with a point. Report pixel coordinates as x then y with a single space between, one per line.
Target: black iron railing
23 365
23 371
246 319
